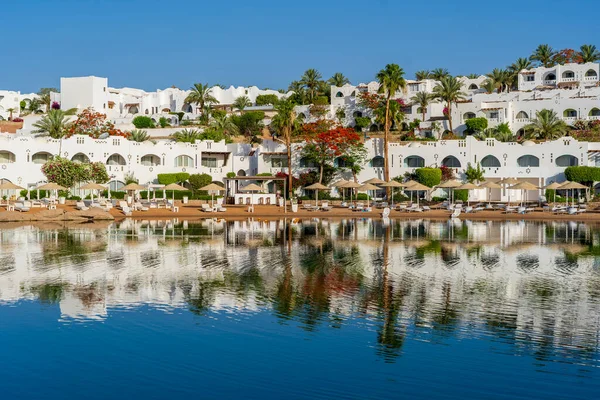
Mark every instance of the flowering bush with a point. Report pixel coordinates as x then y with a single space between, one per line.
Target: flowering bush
94 124
55 105
67 173
445 111
17 119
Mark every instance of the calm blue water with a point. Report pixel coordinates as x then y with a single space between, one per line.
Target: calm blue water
352 309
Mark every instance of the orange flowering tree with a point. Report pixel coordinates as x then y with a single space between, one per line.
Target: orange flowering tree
93 124
566 56
325 147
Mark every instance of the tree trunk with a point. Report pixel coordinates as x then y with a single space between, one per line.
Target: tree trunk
289 160
386 163
450 117
423 111
321 167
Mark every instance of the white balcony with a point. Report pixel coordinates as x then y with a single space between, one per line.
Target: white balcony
590 78
569 119
550 82
522 120
568 79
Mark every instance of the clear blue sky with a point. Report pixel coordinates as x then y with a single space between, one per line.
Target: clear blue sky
153 44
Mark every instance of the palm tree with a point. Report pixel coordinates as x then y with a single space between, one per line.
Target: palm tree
54 124
391 79
338 79
11 111
139 135
546 125
500 78
422 75
45 100
201 95
589 53
423 99
242 102
34 105
501 133
516 67
489 86
439 73
543 55
285 123
224 124
472 76
186 136
311 80
300 94
449 90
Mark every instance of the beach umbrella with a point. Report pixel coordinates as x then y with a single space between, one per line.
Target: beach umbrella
468 187
417 187
392 184
374 181
450 185
524 186
339 184
572 186
365 188
554 186
408 184
316 187
91 187
133 187
213 187
52 186
508 181
173 187
252 188
10 186
489 185
351 185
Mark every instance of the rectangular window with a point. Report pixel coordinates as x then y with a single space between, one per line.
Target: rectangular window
529 78
209 162
279 162
494 115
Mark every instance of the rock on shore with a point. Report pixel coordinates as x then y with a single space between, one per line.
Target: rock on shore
93 214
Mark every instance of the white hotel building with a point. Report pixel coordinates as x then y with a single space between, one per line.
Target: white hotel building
571 90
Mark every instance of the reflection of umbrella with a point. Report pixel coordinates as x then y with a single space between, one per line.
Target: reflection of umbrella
351 185
365 188
572 186
468 187
252 188
10 186
392 184
91 187
489 186
554 186
451 185
316 187
417 187
173 187
213 187
524 186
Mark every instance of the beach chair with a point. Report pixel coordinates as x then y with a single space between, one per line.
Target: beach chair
139 206
21 207
220 208
81 206
205 208
426 208
455 213
386 212
126 210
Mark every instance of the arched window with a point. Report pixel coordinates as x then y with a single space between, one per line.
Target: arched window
357 114
594 112
468 115
414 162
7 157
307 163
374 128
490 162
570 113
241 172
115 186
568 74
187 108
166 110
473 87
339 94
528 160
377 162
550 77
80 158
184 161
522 115
41 158
451 162
150 160
116 159
567 161
591 73
133 110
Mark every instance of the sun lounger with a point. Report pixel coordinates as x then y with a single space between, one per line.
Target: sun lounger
139 207
205 208
21 207
426 208
81 206
455 213
126 210
220 208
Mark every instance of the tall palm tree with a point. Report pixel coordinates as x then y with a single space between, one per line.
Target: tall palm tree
439 73
338 79
224 124
543 55
546 125
186 136
449 90
589 53
45 100
285 123
516 67
391 80
242 102
311 79
300 95
500 78
422 75
489 86
472 76
139 135
201 95
54 124
423 99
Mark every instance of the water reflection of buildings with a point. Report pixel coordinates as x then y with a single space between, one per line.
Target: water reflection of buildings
533 284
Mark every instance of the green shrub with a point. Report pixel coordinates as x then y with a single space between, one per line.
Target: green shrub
231 175
584 175
361 122
143 122
475 125
199 180
163 122
167 179
437 199
23 104
266 99
429 176
461 194
321 101
33 194
265 174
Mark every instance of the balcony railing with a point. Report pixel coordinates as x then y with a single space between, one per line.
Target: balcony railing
569 118
550 82
522 120
591 78
568 79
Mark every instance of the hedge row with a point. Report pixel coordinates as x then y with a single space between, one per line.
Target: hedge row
583 175
167 179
